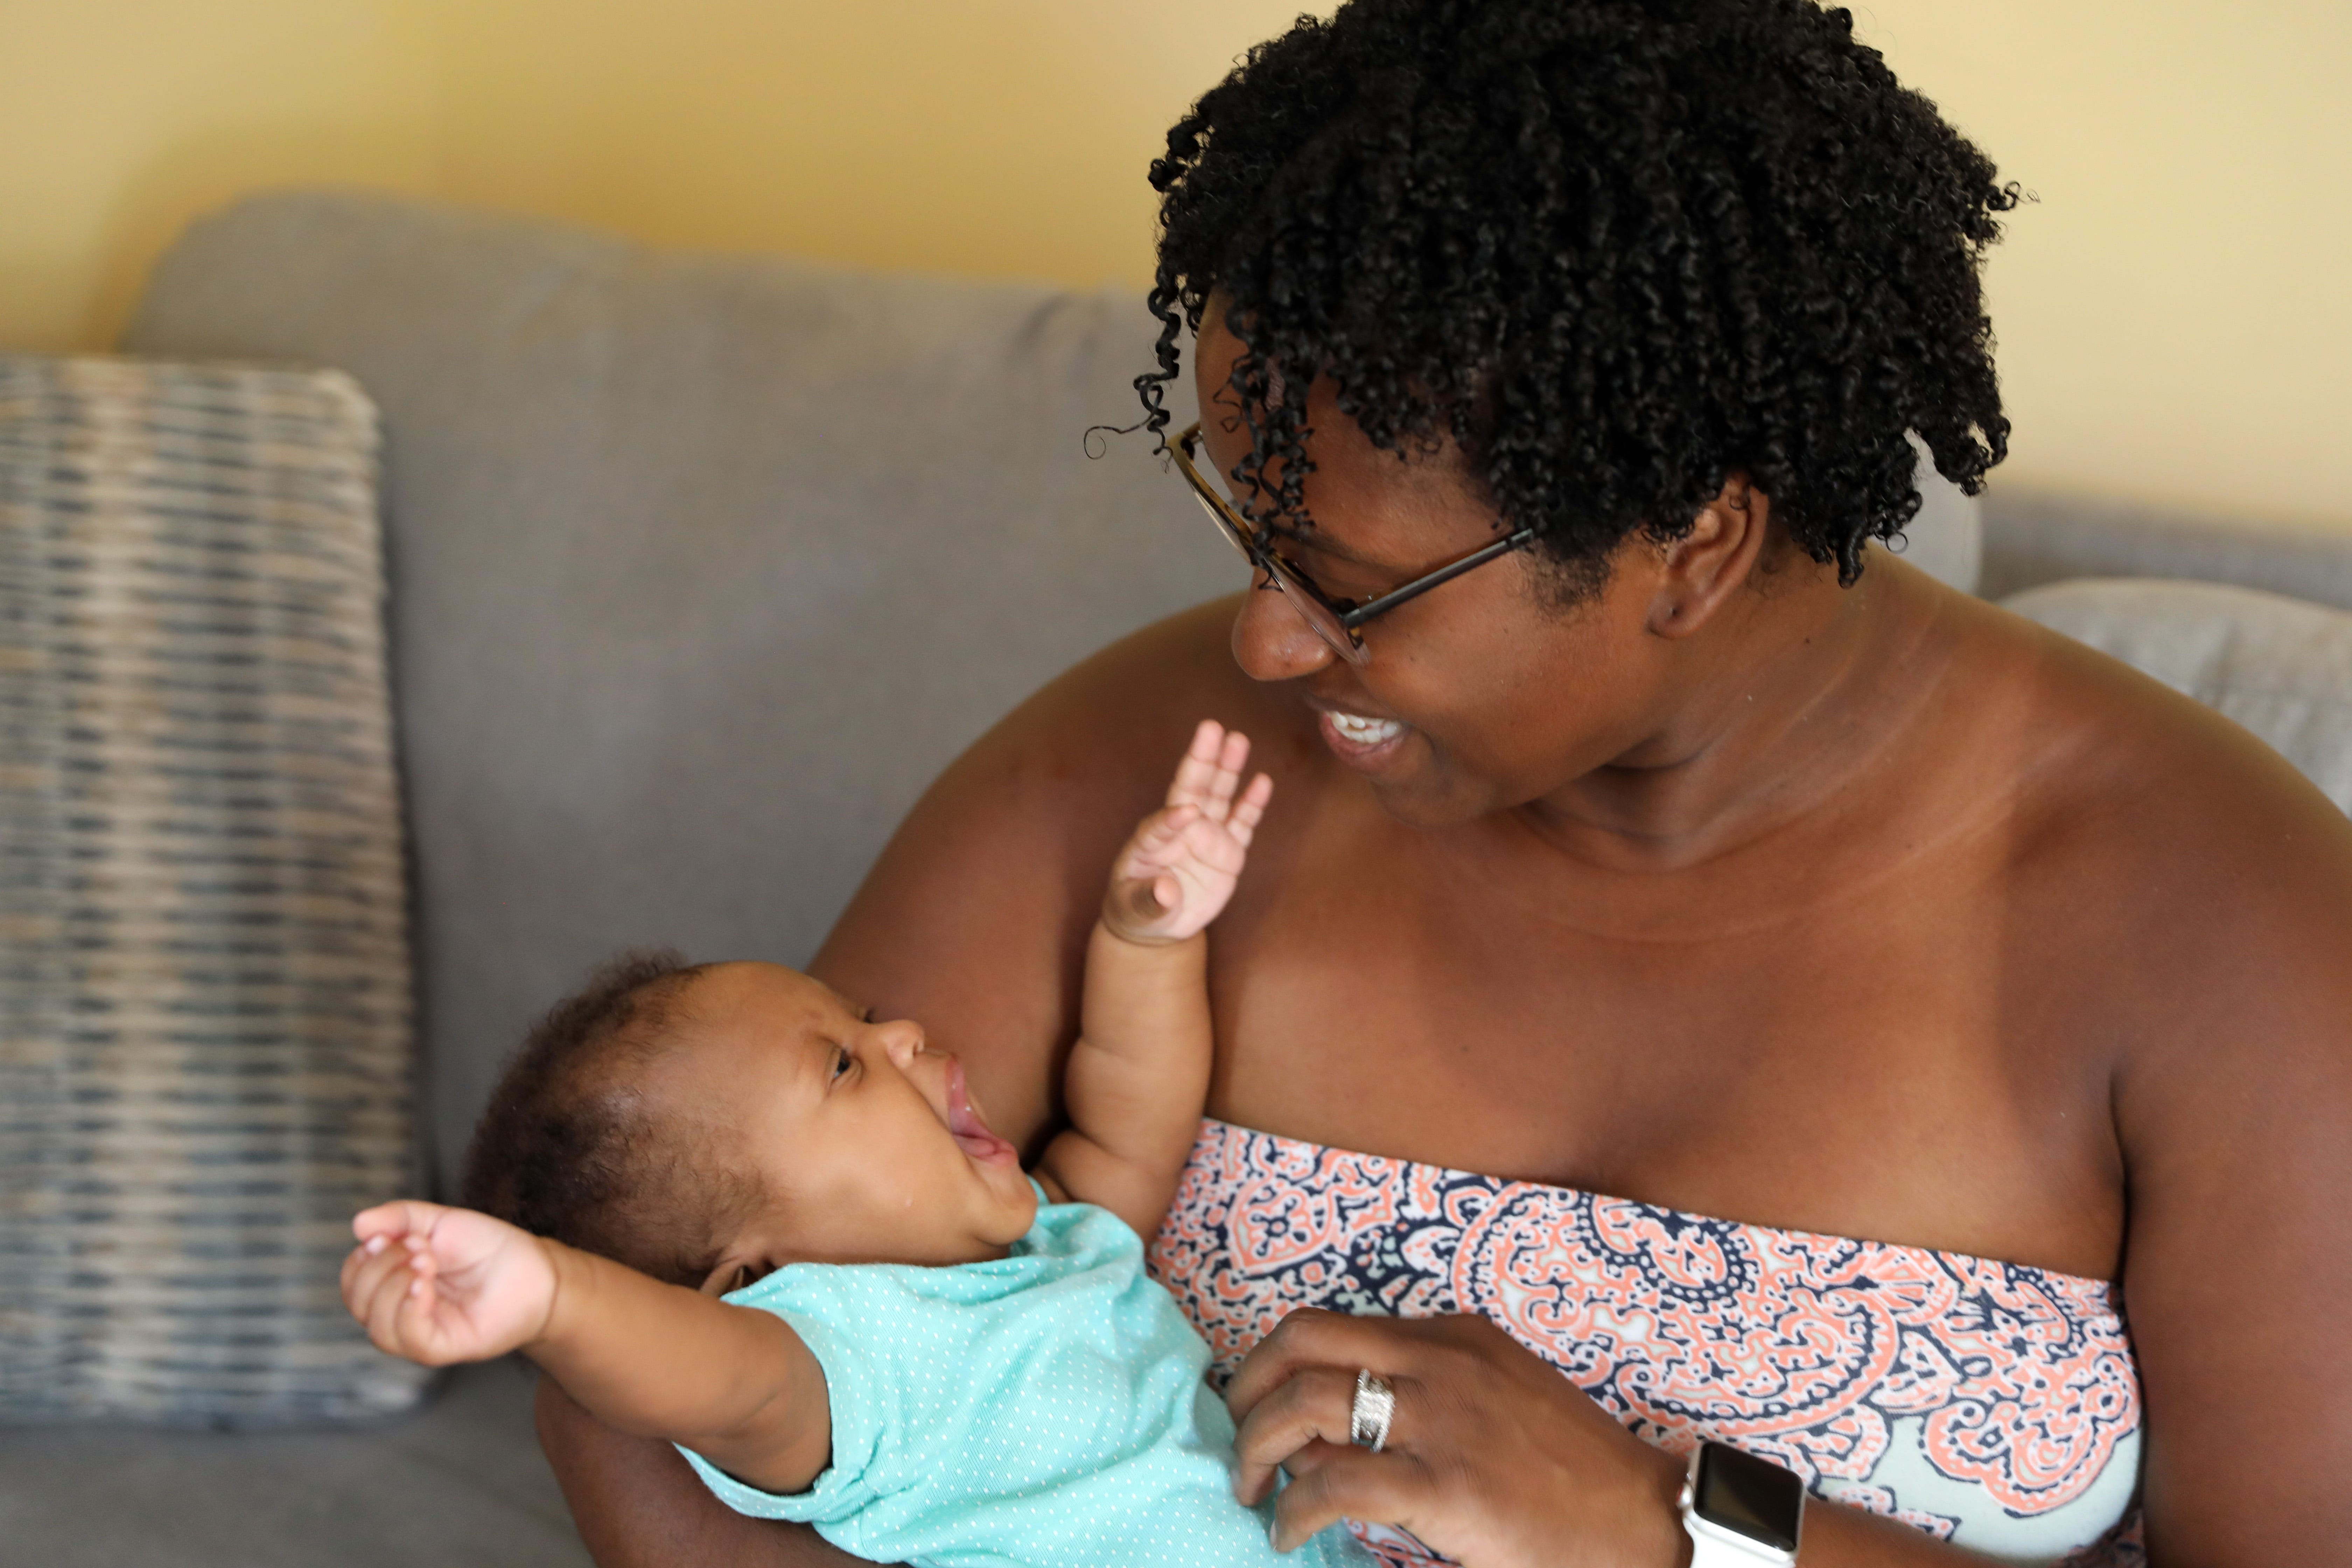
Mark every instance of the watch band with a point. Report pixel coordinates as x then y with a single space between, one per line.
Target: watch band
1723 1543
1711 1550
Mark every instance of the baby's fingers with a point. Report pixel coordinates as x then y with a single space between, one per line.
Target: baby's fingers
424 1335
1212 770
402 1217
1198 768
384 1289
1231 757
1211 846
355 1267
353 1261
1158 844
1250 810
1164 828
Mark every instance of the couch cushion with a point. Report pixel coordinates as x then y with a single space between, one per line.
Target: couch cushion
459 1484
1946 540
2033 537
2280 667
204 1050
702 567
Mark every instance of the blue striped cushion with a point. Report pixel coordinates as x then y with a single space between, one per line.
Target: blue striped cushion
205 1054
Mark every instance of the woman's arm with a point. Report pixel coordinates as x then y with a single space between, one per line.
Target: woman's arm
2232 1107
638 1504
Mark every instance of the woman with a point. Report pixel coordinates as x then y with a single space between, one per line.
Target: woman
1692 952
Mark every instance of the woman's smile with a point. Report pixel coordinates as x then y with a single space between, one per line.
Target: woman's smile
1361 740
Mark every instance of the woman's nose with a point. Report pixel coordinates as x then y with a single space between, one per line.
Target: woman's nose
1271 642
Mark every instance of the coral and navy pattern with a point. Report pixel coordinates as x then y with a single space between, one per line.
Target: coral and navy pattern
1803 1348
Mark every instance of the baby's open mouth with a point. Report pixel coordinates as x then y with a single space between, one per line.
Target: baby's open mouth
971 1134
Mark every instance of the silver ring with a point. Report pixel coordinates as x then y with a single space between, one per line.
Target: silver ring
1369 1412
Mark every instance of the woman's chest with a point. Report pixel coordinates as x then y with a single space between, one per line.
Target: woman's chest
1863 1367
1893 1062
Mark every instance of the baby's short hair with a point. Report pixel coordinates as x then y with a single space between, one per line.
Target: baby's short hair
567 1148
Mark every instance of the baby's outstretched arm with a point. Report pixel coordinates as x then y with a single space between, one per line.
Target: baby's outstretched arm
441 1285
1138 1076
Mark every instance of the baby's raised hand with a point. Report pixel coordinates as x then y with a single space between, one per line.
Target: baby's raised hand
440 1285
1174 876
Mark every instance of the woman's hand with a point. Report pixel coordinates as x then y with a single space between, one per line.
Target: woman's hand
1175 875
440 1285
1493 1458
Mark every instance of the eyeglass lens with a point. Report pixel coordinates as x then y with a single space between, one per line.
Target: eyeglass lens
1296 593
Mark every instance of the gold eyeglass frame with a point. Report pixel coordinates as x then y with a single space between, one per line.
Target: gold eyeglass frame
1335 620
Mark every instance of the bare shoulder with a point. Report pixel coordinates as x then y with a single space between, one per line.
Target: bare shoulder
2191 896
2206 877
974 920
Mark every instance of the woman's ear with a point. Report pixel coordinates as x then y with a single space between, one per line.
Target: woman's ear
1701 569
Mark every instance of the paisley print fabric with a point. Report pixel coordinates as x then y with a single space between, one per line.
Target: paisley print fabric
1990 1404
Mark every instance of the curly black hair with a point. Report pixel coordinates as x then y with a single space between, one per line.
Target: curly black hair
566 1149
1613 248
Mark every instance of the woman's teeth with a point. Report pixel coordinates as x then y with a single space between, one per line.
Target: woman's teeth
1365 732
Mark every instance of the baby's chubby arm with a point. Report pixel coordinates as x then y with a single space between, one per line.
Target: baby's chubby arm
1138 1076
440 1285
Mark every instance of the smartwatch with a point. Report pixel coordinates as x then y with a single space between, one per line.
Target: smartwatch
1740 1512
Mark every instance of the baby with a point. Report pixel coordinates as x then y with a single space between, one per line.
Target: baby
736 1211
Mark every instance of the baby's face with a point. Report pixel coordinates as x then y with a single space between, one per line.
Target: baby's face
865 1142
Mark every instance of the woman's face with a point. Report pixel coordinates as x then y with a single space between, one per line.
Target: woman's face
1480 695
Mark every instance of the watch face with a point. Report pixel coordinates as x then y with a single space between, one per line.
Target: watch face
1753 1496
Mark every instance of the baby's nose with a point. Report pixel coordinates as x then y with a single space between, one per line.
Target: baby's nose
903 1038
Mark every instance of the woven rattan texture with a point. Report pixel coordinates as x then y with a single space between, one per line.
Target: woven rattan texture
204 1018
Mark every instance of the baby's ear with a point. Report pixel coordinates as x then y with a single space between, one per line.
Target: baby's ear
730 1273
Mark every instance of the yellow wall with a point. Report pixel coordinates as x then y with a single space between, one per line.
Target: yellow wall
2175 313
1005 136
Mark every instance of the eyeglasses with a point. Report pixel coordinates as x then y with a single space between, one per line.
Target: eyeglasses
1335 620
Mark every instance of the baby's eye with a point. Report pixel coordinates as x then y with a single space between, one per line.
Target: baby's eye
841 1062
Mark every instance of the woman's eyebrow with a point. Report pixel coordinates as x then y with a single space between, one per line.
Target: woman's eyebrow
1321 544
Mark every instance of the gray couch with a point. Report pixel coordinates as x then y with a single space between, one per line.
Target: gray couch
700 568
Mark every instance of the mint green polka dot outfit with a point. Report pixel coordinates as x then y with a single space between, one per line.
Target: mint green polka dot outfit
1041 1410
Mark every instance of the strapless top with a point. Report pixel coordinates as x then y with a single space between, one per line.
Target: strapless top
1992 1404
